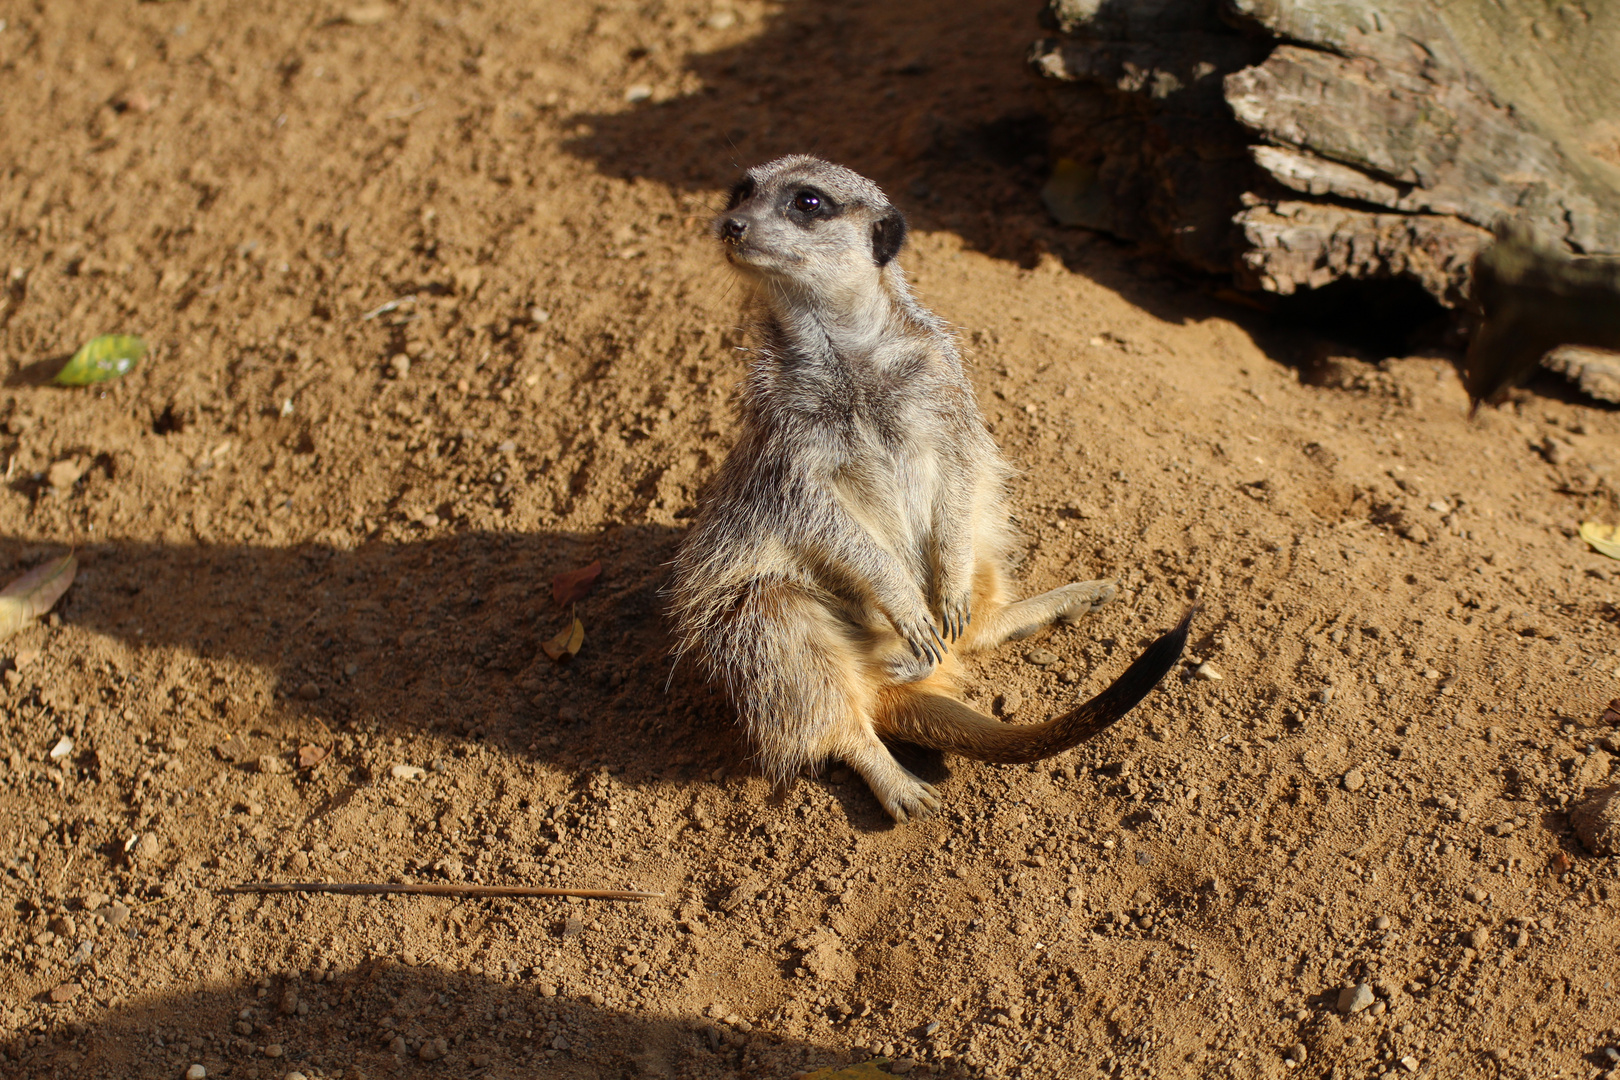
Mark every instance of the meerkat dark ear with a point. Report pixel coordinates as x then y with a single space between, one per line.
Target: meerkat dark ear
888 237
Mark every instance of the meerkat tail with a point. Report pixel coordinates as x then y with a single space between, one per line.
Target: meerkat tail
943 723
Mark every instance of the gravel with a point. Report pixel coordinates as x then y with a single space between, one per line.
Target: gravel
1353 780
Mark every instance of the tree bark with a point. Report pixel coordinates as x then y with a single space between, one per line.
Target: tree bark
1294 143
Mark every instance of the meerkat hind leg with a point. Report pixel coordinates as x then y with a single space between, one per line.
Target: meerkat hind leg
902 794
1022 618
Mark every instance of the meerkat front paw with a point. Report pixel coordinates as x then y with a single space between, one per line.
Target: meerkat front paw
955 613
1085 597
905 668
923 639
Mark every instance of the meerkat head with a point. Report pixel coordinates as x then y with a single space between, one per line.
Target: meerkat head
809 223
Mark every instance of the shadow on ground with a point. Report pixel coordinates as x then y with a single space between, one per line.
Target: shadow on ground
441 637
351 1019
934 103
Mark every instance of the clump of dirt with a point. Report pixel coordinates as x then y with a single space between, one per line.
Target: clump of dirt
435 317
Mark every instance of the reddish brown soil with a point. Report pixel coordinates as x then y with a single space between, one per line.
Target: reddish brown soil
289 540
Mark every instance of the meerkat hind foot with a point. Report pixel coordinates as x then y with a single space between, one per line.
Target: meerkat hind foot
1087 597
1033 614
902 794
908 797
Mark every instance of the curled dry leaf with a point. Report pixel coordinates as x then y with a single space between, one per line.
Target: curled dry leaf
310 755
1605 539
571 586
33 594
110 356
565 646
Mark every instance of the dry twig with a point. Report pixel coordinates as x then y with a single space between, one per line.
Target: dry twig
369 888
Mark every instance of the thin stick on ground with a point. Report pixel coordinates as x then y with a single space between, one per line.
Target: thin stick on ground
368 888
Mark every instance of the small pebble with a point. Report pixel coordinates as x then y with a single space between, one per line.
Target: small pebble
197 1072
62 749
637 94
433 1049
901 1066
1207 672
1298 1053
295 1075
1381 923
309 691
1041 657
931 1028
1596 819
406 772
1353 780
399 365
1352 999
66 992
274 1050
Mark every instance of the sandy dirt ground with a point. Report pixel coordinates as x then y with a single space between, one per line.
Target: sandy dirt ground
435 317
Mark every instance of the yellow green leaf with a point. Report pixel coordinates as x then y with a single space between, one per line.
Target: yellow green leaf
110 356
1605 539
866 1070
33 594
565 646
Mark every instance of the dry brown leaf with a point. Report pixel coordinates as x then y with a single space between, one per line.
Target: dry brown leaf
565 646
33 594
310 755
571 586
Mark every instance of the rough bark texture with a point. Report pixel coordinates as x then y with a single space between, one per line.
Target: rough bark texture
1297 142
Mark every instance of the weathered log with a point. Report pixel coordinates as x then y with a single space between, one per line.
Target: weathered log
1294 143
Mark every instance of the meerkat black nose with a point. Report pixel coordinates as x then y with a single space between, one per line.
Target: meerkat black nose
733 229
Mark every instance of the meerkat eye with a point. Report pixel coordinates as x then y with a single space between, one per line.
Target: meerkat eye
807 202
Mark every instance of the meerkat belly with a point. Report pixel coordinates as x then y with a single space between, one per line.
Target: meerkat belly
894 505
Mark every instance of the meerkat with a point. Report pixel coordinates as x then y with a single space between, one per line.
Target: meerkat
857 538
